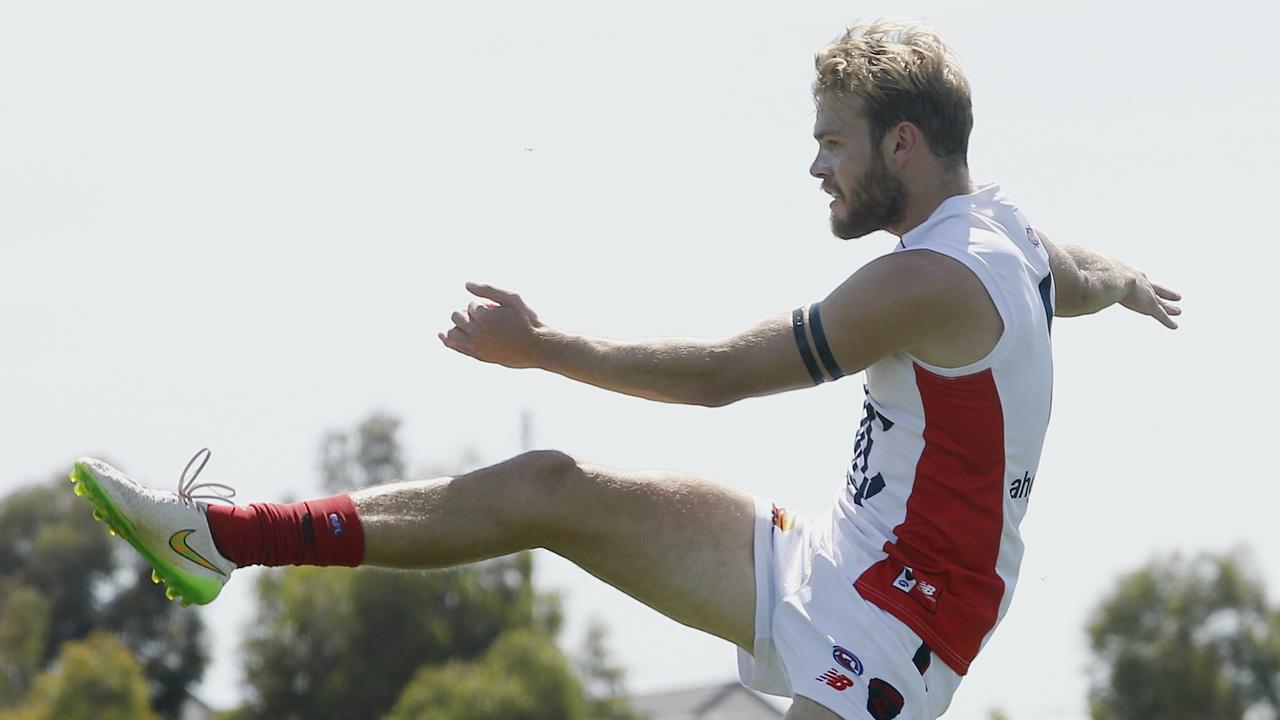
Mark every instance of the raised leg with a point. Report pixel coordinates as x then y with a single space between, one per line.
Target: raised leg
680 544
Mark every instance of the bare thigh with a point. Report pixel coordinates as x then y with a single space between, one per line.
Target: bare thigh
680 544
805 709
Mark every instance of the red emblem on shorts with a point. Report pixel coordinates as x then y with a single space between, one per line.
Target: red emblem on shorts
837 681
884 702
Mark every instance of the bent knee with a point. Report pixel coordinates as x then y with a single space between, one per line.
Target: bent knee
548 473
545 486
550 463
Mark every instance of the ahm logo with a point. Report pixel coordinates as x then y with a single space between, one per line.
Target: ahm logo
906 581
1021 487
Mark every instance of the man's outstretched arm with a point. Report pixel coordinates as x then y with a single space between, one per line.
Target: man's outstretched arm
872 314
1087 282
757 361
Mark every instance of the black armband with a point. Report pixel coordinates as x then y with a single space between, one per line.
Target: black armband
820 339
802 342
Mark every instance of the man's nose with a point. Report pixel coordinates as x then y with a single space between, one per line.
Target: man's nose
819 168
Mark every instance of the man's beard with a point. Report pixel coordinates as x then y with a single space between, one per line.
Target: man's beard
878 202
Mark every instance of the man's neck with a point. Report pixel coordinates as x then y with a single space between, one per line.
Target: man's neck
930 194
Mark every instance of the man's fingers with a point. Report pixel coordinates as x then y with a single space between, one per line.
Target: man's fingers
1164 318
503 297
489 292
455 339
460 320
1171 309
1165 293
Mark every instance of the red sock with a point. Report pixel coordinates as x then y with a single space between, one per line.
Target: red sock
315 532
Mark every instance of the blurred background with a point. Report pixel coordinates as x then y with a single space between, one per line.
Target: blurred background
241 224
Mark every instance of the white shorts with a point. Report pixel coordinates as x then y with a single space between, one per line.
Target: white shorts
816 636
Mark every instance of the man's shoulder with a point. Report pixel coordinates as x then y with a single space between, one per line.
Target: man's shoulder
924 277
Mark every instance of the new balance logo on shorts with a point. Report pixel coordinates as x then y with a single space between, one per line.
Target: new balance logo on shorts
836 680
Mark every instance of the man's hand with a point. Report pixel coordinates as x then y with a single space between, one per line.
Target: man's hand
503 331
1152 299
1087 282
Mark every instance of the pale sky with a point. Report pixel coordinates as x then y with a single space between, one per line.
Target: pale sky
238 224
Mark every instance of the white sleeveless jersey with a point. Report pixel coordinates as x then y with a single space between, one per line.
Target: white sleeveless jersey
945 459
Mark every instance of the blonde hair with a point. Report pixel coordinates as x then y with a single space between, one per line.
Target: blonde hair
903 71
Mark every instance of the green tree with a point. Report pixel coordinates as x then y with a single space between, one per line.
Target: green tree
93 679
342 643
49 543
339 643
165 637
371 455
474 641
602 679
1186 639
523 676
24 621
50 546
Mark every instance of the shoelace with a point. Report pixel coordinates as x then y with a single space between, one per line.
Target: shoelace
187 487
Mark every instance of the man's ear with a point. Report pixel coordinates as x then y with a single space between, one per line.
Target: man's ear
902 141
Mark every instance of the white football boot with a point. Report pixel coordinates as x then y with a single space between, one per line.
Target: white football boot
169 529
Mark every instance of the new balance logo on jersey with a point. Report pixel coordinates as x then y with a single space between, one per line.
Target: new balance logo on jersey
921 589
1021 488
836 681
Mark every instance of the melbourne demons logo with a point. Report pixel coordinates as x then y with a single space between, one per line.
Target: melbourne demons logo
847 660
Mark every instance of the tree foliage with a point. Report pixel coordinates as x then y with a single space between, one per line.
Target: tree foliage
603 679
371 455
523 676
1186 639
341 643
93 679
24 622
62 576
